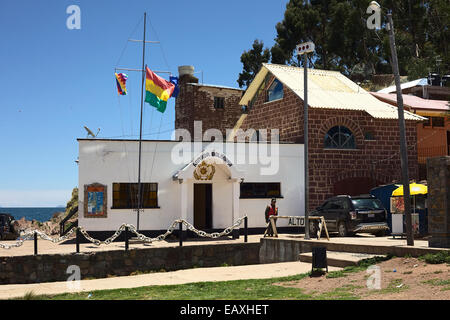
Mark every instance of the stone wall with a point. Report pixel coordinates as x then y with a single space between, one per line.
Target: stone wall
286 250
438 178
195 102
374 161
50 268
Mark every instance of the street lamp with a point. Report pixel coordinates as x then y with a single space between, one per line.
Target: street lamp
304 49
375 8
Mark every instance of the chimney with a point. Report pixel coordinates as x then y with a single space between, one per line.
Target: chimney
186 75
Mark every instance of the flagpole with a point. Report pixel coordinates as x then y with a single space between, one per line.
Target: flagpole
144 67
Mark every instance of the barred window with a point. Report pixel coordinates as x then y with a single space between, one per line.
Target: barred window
125 195
260 190
219 102
339 137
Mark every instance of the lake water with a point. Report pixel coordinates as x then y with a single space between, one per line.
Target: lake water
39 214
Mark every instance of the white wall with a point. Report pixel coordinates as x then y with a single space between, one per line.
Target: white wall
112 161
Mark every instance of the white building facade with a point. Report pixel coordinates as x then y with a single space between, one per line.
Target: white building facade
210 185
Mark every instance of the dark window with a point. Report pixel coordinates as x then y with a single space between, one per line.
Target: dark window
368 135
260 190
367 204
427 123
219 102
332 205
275 91
438 121
125 195
339 137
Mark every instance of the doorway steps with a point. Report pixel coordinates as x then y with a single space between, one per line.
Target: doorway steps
339 259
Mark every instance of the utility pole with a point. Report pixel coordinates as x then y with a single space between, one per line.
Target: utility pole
304 49
403 145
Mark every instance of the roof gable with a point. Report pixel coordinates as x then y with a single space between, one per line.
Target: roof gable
326 89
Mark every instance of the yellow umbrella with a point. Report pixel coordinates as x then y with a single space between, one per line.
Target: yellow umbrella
414 188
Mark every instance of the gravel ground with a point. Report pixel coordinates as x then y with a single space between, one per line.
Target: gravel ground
401 279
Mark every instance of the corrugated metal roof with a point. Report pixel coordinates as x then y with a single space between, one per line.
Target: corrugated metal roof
411 84
328 90
415 102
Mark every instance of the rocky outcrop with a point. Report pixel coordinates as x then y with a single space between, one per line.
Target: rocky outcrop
50 227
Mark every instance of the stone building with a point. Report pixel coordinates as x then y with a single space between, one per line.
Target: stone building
353 137
216 106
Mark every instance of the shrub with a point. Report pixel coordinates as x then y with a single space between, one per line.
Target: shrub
436 258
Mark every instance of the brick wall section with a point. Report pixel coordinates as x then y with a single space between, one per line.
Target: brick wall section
438 170
196 103
327 167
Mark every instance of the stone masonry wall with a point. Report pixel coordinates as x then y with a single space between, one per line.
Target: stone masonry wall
49 268
438 178
196 103
377 160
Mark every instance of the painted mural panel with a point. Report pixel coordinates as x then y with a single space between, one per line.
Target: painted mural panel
95 201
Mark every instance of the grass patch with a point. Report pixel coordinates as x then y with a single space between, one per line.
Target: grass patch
31 296
342 293
259 289
436 258
395 286
437 282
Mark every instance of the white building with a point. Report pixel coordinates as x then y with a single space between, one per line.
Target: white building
209 185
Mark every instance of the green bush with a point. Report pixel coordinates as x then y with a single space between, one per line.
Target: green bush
436 258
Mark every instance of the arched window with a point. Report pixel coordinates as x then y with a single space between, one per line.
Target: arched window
275 91
339 137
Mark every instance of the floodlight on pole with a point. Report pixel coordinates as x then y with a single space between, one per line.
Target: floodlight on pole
304 49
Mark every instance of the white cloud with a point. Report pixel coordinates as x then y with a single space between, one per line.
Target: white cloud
34 198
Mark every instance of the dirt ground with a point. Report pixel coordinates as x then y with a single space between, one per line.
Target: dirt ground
400 279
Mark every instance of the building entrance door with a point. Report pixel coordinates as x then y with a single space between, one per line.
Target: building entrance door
203 206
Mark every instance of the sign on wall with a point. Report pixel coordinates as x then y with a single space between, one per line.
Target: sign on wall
95 201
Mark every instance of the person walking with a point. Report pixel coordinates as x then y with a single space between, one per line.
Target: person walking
271 210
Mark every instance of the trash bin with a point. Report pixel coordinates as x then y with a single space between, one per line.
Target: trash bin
319 258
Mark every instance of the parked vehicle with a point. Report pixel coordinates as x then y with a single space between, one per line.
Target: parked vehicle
348 215
7 230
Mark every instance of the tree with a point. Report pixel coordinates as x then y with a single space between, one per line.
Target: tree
252 61
344 43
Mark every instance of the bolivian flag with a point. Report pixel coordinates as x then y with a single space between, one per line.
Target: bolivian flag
157 90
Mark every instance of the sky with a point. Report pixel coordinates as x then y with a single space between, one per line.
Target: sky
55 80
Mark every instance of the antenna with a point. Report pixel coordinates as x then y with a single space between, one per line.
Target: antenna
90 133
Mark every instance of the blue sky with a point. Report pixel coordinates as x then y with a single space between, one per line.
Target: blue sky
55 80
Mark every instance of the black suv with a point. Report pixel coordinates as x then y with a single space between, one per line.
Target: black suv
348 215
7 231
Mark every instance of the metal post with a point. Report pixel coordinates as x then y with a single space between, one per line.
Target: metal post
246 229
181 233
78 240
140 130
126 238
305 130
35 243
403 145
